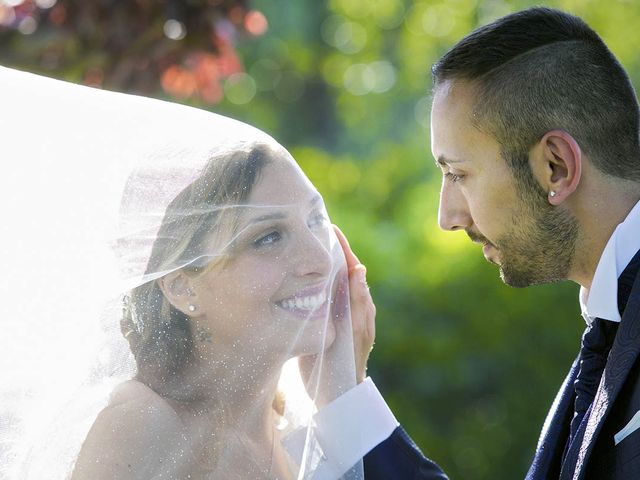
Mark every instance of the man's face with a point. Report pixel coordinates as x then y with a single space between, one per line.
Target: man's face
531 241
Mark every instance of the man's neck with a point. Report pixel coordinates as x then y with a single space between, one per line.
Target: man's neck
600 208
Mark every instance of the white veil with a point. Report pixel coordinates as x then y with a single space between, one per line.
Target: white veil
193 240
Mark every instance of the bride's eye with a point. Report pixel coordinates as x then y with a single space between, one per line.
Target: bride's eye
318 219
268 239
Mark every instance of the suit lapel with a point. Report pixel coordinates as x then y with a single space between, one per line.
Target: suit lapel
624 352
548 456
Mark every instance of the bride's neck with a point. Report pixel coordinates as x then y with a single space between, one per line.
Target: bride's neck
232 418
239 384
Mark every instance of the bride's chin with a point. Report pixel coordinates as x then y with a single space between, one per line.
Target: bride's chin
313 342
331 335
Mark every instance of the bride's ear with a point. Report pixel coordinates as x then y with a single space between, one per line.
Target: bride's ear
177 289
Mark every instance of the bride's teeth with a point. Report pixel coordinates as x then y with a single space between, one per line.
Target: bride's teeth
307 303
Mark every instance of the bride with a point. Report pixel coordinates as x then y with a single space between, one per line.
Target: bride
181 306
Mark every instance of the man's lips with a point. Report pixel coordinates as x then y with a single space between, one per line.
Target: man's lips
477 238
487 246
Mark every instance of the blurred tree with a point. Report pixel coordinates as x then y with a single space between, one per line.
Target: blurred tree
184 48
468 365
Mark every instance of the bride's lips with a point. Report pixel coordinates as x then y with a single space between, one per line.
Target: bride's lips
310 302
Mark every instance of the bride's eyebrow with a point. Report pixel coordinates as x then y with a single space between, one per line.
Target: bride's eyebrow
281 215
270 216
315 199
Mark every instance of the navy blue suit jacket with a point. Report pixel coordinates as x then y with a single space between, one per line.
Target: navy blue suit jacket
594 456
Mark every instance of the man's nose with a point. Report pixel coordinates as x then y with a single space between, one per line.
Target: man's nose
453 212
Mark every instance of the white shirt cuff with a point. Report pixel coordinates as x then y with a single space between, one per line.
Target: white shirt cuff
349 427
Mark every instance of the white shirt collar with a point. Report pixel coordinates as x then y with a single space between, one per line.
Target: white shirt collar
601 300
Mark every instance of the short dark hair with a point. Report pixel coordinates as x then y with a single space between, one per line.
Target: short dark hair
542 69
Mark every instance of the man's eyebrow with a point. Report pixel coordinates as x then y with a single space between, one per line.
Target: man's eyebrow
442 161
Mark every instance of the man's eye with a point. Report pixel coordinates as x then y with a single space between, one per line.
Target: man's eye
453 177
268 239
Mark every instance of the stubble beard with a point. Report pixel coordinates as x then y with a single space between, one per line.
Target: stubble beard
540 246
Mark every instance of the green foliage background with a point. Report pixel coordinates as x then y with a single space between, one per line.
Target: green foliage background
468 365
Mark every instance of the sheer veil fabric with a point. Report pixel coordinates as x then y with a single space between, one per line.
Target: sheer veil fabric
173 297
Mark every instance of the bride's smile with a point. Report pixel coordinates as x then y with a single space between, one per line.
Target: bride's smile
310 302
274 283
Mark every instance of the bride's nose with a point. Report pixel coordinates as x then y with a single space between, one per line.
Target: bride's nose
311 255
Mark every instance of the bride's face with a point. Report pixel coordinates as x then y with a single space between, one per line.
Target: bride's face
272 293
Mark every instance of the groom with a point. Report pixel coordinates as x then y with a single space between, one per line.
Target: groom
535 127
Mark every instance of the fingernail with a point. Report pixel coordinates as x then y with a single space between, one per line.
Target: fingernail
362 275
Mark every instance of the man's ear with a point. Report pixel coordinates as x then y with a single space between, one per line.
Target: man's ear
177 289
556 163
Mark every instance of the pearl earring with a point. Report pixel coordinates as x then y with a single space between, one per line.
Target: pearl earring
192 308
552 193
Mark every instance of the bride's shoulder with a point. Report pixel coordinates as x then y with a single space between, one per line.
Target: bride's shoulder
132 392
140 412
131 434
136 402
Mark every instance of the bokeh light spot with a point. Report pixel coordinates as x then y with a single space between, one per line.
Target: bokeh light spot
388 14
351 37
438 21
348 37
377 77
178 82
27 25
333 69
45 3
329 27
492 9
266 73
174 29
355 8
255 23
384 76
359 79
240 88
